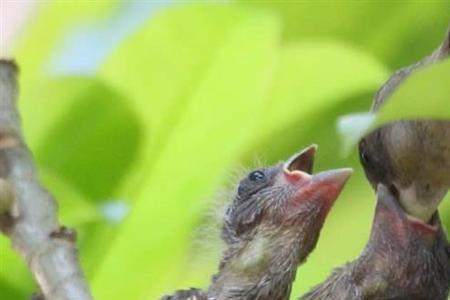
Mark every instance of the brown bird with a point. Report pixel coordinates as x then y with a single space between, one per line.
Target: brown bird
191 294
404 259
270 228
412 156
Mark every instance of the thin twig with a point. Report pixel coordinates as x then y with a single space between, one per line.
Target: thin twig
28 213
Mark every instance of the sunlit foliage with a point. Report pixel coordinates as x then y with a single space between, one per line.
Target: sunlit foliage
194 93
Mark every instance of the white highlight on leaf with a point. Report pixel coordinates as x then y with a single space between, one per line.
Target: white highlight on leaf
352 127
115 211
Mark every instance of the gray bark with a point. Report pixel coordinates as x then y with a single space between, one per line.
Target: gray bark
28 213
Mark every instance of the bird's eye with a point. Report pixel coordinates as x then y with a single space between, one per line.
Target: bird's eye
365 158
256 176
253 183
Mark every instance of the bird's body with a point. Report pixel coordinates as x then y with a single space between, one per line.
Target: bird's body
262 270
411 155
404 259
270 227
191 294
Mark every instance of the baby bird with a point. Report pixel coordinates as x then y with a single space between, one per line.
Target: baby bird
405 258
413 155
271 226
191 294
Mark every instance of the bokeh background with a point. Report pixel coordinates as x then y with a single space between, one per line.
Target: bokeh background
139 113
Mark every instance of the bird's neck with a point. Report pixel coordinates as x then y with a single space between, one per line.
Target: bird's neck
255 271
380 272
413 265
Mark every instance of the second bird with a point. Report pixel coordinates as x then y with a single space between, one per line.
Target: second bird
404 259
411 157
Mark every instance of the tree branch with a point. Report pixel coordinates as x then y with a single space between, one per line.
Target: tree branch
28 213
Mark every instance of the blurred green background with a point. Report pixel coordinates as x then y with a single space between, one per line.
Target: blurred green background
139 113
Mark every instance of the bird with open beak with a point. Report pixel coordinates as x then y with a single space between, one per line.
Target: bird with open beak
271 226
405 258
411 155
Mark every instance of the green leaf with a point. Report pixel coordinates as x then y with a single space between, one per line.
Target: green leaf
314 75
306 97
444 210
41 39
92 135
74 208
189 96
219 116
395 32
91 236
423 95
13 271
160 67
11 292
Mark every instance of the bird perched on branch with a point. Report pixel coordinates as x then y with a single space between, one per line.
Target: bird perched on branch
270 228
412 156
405 258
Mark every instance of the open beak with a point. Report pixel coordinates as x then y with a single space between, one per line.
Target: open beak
337 177
414 204
300 165
320 190
323 187
389 210
327 185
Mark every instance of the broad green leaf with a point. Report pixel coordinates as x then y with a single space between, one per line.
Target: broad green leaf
397 32
314 75
444 210
219 117
423 95
95 240
314 84
42 37
191 103
73 207
92 135
9 291
42 106
83 135
161 65
393 38
13 270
